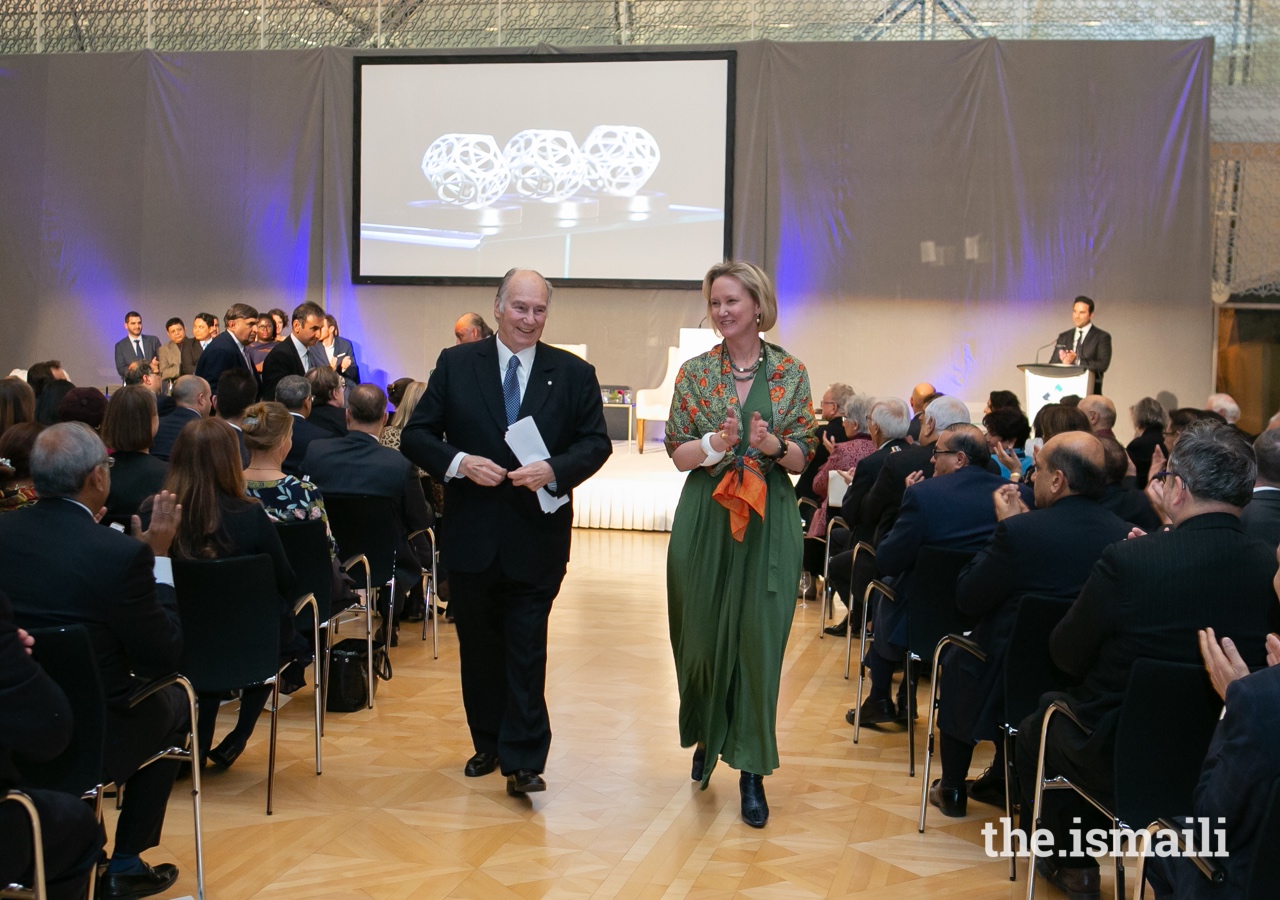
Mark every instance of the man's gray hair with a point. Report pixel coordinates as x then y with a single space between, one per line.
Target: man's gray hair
506 281
947 411
63 457
840 394
292 391
1225 406
858 408
188 388
892 417
1215 462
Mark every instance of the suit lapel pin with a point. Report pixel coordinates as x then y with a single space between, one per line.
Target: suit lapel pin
548 384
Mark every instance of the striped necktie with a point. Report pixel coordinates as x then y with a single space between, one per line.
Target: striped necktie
511 389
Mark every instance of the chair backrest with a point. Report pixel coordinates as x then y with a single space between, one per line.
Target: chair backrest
307 547
1167 719
1029 672
931 599
230 613
66 654
362 523
1266 863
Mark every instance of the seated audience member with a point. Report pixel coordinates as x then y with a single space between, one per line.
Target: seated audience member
1007 434
357 464
128 431
265 332
171 354
140 373
1070 401
338 352
1056 418
220 520
921 396
471 327
192 401
60 567
843 457
43 374
951 510
407 403
1225 406
1002 400
1261 517
229 350
1146 598
49 401
1181 419
834 402
16 487
267 430
17 403
328 401
281 320
1148 427
293 392
236 390
83 404
1101 413
35 721
1048 551
396 389
1120 497
295 355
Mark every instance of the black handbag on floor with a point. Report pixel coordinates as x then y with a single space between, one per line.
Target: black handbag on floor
348 678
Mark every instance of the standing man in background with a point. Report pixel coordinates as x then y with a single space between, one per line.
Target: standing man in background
135 345
230 349
1085 345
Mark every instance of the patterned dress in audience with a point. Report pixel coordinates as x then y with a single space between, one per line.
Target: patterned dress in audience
290 500
16 498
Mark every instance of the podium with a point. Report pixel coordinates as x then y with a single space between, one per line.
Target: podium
1050 382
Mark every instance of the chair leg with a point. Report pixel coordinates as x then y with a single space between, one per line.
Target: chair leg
1119 877
368 616
911 724
1038 804
430 601
37 889
195 786
928 753
1007 735
315 625
640 435
862 673
848 641
324 701
271 751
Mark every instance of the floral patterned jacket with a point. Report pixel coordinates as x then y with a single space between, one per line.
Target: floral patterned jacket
292 500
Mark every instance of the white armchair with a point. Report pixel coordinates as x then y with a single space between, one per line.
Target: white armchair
655 403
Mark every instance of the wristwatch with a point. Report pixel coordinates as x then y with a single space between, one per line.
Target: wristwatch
782 449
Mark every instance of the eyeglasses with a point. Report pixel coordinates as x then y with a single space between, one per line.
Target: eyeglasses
108 462
1163 474
937 453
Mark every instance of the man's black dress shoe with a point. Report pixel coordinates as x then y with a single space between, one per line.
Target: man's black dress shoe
838 629
755 810
524 781
1077 884
227 752
481 764
874 712
988 788
699 763
120 886
952 801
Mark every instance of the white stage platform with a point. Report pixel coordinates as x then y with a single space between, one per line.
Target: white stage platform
632 492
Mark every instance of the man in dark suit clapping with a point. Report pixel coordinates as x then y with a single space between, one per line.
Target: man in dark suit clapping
135 345
60 567
292 356
507 544
1085 345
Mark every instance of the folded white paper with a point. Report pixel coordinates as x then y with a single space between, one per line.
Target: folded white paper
527 444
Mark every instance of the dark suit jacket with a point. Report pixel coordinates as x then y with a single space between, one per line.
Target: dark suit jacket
342 347
59 567
134 478
167 433
191 352
304 433
1048 552
332 419
282 361
125 354
35 717
245 455
222 353
1261 517
462 412
1094 355
1147 598
864 477
358 464
1132 505
1141 450
880 509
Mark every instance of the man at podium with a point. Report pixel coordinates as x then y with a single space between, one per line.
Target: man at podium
1085 345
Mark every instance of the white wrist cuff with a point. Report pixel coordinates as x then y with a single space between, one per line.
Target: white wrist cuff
713 456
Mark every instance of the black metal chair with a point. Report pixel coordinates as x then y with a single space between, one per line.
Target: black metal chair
1159 750
307 546
230 615
865 554
828 592
429 590
365 527
66 654
36 890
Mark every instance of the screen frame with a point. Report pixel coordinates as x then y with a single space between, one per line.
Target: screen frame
359 62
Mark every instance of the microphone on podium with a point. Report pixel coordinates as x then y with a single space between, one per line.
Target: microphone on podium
1053 343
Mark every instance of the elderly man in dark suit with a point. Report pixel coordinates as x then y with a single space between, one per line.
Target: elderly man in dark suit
1261 517
229 350
293 356
1048 551
1146 598
294 393
135 345
952 510
192 400
357 464
60 567
507 544
1086 344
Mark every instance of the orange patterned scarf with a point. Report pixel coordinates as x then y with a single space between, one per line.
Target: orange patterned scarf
740 491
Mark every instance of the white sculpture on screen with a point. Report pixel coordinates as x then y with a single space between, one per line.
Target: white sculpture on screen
467 170
545 164
621 158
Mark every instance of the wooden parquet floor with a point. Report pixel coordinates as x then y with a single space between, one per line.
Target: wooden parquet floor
393 816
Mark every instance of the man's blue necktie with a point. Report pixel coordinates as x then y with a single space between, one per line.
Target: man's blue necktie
511 389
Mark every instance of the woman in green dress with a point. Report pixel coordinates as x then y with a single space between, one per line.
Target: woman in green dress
741 414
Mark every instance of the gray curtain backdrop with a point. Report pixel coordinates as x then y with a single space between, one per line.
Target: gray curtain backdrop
929 211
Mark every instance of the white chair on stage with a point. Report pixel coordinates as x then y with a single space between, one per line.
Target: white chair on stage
655 403
579 350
